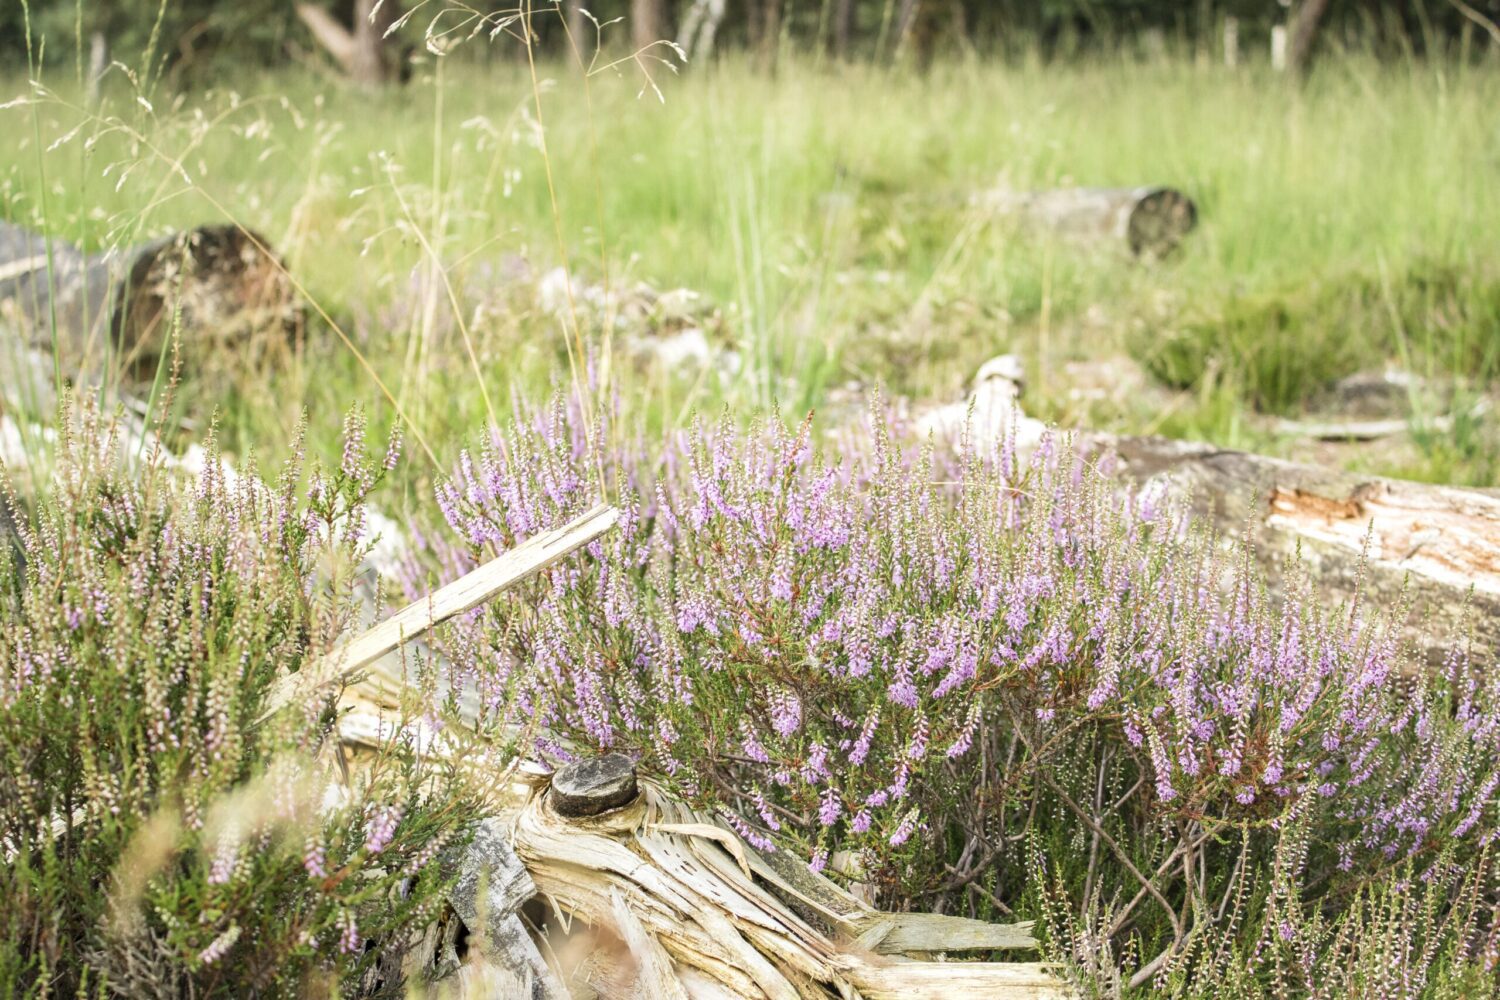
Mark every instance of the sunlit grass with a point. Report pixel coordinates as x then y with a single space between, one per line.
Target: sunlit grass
825 210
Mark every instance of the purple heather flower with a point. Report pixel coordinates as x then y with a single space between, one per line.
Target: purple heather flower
349 940
380 829
786 711
219 946
831 808
904 831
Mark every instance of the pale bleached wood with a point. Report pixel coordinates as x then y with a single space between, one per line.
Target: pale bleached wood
1384 541
930 932
467 592
941 980
661 874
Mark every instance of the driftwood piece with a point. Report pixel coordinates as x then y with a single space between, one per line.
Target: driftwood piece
1438 544
467 592
706 914
1148 221
700 914
222 284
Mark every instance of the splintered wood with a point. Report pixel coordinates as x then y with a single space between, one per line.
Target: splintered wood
693 911
705 915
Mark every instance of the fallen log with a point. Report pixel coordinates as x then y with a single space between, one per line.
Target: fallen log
1378 538
1148 221
110 313
1439 546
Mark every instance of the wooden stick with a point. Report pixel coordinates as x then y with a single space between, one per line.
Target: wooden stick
467 592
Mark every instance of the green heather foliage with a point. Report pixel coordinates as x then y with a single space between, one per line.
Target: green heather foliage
1001 685
158 841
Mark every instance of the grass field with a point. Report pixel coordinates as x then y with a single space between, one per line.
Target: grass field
831 637
1345 226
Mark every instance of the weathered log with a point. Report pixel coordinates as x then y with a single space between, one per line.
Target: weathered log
1375 537
1382 538
1148 221
110 313
489 889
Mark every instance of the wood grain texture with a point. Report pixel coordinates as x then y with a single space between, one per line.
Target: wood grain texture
1385 539
675 881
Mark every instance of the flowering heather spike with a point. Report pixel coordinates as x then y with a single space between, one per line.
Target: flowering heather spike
219 946
380 829
831 809
226 858
314 859
905 828
157 610
350 943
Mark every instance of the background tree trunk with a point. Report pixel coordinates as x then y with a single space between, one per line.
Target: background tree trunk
700 25
579 29
905 17
647 23
770 39
361 50
1304 33
843 27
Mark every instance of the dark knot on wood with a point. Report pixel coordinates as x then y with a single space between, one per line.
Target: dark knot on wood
593 786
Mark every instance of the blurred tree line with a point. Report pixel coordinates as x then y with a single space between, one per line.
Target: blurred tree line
186 38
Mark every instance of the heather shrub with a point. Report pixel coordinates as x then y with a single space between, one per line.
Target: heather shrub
158 840
991 684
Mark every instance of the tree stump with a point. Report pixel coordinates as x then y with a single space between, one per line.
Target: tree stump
220 286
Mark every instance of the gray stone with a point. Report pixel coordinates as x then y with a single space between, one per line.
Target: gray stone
593 786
